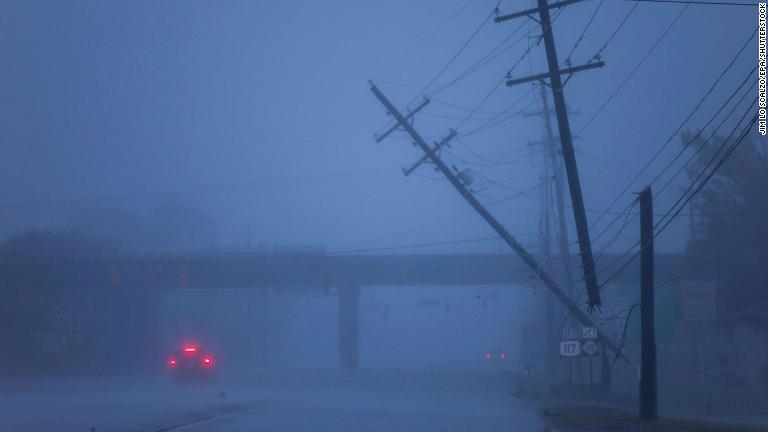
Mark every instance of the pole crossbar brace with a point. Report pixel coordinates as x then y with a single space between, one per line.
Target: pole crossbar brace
545 75
527 258
418 108
529 12
438 145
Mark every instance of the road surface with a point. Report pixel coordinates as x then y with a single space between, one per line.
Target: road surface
275 401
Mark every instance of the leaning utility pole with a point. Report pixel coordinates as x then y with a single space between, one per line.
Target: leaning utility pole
457 183
554 75
648 388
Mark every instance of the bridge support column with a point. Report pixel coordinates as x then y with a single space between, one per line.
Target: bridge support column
349 326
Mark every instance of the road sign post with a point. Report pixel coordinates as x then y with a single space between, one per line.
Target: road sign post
590 348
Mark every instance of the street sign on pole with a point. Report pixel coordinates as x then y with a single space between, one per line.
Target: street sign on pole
570 348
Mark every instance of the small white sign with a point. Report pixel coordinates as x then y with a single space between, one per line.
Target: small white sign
589 332
570 348
568 334
590 348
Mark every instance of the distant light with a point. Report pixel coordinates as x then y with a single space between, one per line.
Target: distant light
503 356
488 356
190 349
172 362
207 361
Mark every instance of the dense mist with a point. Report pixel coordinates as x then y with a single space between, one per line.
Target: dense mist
405 215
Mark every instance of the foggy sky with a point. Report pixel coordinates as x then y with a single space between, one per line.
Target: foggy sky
259 112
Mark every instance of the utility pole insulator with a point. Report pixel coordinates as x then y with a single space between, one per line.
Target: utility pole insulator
567 71
530 12
443 142
411 113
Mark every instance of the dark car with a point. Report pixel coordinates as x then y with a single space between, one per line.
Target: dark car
191 360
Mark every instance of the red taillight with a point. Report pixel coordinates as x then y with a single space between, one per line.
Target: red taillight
207 361
488 356
189 349
172 362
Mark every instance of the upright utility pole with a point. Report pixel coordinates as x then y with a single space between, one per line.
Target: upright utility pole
555 168
552 170
550 142
566 140
546 256
648 387
464 191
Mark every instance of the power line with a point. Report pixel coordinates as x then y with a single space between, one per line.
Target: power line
454 57
616 31
658 230
676 213
680 126
525 54
454 117
493 54
696 2
711 135
701 101
481 103
481 157
412 246
489 164
584 32
720 162
629 218
725 254
635 69
462 108
501 118
684 165
683 196
424 39
432 224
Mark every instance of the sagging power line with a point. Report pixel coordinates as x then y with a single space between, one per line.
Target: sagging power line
459 182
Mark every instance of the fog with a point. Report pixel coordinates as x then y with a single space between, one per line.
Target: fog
206 175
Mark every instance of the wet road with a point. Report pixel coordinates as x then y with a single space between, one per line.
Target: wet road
284 401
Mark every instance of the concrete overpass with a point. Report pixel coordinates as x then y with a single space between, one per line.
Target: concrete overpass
344 274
